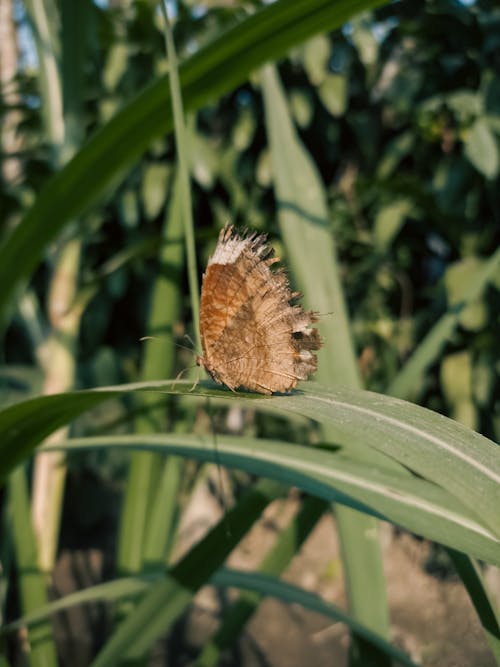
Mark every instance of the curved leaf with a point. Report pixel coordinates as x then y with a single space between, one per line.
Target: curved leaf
412 503
442 451
267 585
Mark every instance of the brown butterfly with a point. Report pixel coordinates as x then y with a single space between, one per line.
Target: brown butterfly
252 336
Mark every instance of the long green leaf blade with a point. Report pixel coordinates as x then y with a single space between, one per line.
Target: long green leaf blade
458 460
412 503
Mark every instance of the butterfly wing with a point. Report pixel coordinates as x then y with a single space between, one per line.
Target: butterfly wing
251 334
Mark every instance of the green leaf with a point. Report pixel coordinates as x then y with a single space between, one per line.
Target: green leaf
429 350
456 382
364 39
396 150
465 104
456 376
451 456
389 220
303 216
317 52
31 581
154 189
481 148
457 279
471 576
333 94
392 494
301 106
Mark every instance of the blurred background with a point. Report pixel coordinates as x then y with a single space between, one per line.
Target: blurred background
393 124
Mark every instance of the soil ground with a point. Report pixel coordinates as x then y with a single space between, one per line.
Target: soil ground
431 619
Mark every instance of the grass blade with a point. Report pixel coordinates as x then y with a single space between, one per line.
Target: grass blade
471 577
286 547
267 585
31 580
452 456
138 528
459 461
159 609
303 216
429 350
395 495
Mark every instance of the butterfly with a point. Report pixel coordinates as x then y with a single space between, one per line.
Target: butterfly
252 333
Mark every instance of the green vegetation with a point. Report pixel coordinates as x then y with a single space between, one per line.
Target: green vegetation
363 137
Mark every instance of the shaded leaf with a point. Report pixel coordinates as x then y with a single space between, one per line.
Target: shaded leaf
481 148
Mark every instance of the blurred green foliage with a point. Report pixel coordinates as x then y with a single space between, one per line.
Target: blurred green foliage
400 112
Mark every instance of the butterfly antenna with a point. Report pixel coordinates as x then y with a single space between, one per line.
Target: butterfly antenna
191 347
184 347
189 340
